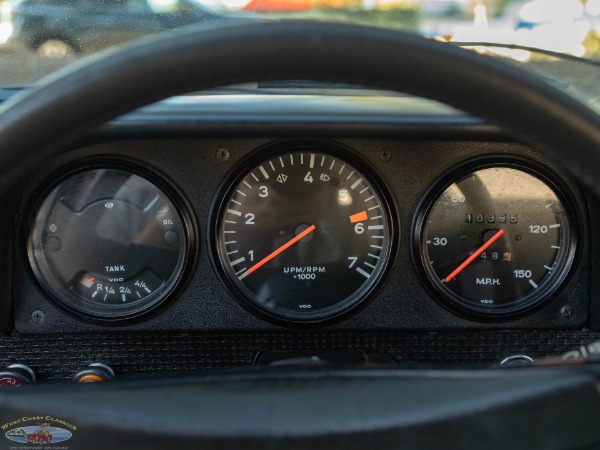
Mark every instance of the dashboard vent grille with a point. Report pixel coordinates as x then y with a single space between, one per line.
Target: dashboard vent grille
58 358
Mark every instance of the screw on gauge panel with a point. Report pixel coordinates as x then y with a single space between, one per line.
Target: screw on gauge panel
566 312
38 316
223 154
385 154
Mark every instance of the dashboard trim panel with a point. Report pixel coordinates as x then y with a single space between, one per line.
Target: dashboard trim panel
402 304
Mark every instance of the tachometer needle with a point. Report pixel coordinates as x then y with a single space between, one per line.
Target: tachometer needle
470 259
272 255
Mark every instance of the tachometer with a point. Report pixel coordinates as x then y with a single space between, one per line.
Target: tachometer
497 240
303 236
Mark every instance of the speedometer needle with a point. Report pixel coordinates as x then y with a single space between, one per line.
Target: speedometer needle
470 259
272 255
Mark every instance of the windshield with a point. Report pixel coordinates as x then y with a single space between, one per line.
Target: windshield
40 36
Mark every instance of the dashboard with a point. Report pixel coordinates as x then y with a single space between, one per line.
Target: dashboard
185 236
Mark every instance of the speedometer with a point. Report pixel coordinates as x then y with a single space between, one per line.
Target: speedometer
304 235
497 240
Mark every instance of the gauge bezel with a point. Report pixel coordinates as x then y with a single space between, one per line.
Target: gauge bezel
341 310
165 185
525 304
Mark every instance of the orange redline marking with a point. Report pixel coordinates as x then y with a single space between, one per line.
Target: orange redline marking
284 247
91 280
471 258
358 217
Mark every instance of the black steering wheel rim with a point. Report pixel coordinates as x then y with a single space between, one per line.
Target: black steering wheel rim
42 121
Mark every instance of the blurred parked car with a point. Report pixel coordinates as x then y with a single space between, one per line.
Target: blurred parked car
57 28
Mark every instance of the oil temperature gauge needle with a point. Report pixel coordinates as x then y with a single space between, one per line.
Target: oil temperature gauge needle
471 258
281 249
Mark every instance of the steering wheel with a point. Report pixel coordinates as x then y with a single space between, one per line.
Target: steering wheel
340 410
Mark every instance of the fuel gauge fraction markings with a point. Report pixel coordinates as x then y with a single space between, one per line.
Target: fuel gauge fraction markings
303 236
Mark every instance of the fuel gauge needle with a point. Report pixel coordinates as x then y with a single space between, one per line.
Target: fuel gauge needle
471 258
281 249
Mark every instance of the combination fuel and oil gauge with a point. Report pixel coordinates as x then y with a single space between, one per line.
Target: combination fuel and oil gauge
108 244
303 236
496 241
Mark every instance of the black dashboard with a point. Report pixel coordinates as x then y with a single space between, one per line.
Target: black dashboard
198 151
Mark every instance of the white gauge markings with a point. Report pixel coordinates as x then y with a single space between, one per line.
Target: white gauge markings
264 172
363 273
237 261
356 183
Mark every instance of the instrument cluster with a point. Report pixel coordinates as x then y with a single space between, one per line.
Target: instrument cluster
302 234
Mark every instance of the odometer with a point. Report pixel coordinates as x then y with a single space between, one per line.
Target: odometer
496 241
303 236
